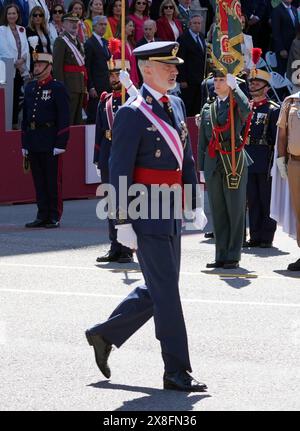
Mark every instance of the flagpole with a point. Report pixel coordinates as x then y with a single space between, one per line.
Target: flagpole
232 131
123 44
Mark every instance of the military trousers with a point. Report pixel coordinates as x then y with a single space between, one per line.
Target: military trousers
228 213
76 104
47 177
159 258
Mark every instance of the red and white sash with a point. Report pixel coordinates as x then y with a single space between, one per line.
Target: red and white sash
79 58
109 112
168 132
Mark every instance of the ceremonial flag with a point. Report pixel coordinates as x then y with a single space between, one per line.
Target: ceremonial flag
228 37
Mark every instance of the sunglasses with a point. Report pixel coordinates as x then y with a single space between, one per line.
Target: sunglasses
58 11
141 3
36 15
169 7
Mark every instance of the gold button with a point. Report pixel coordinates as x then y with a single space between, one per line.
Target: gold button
177 169
157 153
158 139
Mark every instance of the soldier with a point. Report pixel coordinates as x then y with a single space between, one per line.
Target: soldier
151 147
227 194
45 133
261 141
68 65
107 109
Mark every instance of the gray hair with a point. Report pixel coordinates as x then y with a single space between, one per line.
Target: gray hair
142 64
99 18
150 21
196 15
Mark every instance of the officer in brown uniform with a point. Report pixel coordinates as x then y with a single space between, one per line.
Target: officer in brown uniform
68 66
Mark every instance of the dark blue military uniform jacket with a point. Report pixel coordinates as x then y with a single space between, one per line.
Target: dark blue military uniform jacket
136 143
262 136
46 116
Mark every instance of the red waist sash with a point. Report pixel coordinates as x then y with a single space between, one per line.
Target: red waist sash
75 68
157 176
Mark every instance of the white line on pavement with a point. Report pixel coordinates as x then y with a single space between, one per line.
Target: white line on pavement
100 295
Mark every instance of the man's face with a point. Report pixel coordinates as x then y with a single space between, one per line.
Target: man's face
196 24
255 88
40 71
70 26
149 31
100 27
161 76
114 79
221 87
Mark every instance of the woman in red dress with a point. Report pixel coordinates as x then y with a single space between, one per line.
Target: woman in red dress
168 26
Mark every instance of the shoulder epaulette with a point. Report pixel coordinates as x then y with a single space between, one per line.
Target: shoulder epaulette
104 95
274 104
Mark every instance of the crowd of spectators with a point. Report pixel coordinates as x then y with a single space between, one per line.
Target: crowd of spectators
268 24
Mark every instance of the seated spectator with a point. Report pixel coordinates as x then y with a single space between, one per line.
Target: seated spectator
95 8
149 33
168 26
38 27
55 24
42 4
14 45
139 13
113 13
77 7
129 47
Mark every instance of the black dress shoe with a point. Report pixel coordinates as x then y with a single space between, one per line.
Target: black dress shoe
102 351
36 223
266 245
209 235
52 224
216 264
231 264
109 257
294 266
251 243
182 381
125 258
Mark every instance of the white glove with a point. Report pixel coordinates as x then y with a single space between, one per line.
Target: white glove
198 120
231 81
281 164
202 177
126 236
57 151
126 81
24 152
197 219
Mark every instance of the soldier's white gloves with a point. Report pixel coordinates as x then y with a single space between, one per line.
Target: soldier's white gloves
196 219
57 151
126 81
231 81
24 152
202 177
126 236
198 120
281 164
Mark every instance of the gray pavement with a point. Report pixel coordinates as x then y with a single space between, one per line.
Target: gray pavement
243 326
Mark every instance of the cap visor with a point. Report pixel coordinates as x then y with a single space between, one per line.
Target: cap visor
175 60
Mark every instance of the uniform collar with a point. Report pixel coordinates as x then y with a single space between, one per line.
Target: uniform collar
156 94
116 94
45 81
260 103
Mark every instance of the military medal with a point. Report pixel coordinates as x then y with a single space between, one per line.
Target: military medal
149 99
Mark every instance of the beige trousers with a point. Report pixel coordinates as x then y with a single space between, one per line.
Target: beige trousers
294 185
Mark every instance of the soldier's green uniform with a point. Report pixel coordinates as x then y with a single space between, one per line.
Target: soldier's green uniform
227 204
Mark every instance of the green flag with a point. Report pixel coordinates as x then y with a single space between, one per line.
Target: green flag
228 37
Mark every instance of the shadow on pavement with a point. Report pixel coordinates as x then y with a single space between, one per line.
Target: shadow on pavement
288 274
236 278
264 252
156 399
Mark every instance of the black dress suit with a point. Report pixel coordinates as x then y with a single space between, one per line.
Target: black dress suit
96 57
192 71
39 47
283 33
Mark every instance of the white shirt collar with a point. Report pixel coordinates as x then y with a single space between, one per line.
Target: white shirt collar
184 8
221 100
98 38
156 94
286 5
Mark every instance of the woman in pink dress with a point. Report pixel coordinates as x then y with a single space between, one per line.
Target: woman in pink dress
129 47
139 13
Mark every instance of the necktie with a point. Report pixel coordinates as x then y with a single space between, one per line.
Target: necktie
167 108
291 15
199 42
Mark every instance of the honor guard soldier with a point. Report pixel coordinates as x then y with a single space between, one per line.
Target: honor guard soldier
150 147
227 194
45 133
107 109
69 67
261 141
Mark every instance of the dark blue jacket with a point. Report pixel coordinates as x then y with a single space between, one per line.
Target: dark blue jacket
283 30
45 104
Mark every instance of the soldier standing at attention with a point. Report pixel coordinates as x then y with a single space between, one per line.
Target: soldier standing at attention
107 109
68 65
151 147
261 141
226 194
45 133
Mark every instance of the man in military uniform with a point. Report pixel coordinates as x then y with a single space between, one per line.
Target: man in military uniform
261 141
45 133
107 109
150 147
227 194
69 67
